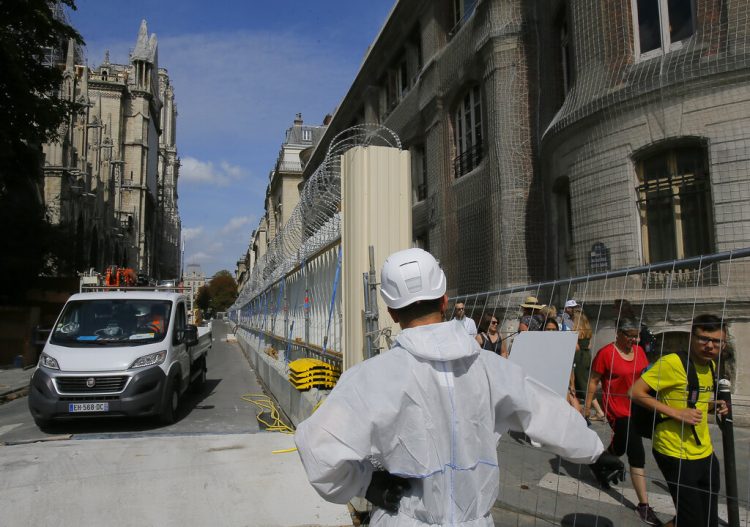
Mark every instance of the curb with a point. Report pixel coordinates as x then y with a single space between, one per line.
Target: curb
11 395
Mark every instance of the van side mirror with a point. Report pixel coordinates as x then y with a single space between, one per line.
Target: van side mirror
191 335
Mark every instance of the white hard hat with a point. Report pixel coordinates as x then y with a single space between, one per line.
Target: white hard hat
409 276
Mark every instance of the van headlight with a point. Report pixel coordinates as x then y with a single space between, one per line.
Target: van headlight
48 362
151 359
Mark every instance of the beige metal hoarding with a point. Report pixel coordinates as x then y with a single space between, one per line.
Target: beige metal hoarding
376 208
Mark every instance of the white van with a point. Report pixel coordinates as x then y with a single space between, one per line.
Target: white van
118 353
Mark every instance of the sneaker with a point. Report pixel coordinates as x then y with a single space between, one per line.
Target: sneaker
646 514
535 444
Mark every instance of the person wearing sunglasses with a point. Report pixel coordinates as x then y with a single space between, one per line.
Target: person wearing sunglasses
489 337
681 442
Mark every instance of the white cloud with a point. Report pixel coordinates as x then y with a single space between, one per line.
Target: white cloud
199 258
191 233
196 171
236 224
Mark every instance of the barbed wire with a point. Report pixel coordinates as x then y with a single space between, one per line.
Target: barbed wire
316 220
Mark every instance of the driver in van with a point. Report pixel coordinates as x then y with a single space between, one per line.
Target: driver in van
156 319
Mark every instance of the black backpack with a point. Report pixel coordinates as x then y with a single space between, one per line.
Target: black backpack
647 341
644 420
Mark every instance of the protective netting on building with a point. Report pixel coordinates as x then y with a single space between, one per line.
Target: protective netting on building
647 149
315 222
594 124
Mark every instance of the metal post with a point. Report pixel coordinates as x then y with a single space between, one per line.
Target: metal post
368 317
287 327
371 296
306 305
730 466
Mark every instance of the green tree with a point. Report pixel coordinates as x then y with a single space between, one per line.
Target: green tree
223 289
31 113
203 298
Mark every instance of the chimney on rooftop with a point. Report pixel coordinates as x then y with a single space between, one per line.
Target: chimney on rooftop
298 120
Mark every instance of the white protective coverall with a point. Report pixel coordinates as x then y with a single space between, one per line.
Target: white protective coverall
432 409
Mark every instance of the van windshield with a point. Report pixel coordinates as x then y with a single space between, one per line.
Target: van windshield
129 322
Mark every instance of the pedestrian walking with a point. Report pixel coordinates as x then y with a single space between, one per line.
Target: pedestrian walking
582 362
681 440
415 429
552 325
618 365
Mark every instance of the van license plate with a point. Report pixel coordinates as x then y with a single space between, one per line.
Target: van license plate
88 407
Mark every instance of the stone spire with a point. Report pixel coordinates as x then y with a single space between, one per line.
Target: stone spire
106 58
152 44
70 59
84 97
142 49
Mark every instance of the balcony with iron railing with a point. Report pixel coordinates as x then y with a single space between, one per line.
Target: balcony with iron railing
468 160
289 166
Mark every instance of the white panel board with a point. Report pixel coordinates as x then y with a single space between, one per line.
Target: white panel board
546 356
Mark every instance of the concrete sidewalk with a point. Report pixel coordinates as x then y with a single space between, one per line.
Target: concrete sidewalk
14 382
535 484
181 481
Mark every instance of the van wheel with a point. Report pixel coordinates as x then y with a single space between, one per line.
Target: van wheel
170 404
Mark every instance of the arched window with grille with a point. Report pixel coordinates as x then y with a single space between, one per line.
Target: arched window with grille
674 194
467 126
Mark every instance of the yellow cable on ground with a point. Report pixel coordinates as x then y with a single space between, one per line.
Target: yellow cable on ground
284 451
265 404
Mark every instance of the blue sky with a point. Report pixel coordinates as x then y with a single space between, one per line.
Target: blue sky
241 71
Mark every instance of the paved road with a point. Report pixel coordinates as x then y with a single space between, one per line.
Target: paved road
217 409
212 467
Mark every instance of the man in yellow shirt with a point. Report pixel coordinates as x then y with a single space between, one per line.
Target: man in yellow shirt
681 442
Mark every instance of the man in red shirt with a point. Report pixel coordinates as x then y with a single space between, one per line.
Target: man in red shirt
617 366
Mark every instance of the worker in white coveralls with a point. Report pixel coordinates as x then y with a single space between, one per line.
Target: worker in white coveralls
415 430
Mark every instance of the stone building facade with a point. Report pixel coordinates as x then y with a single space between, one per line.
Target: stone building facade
282 193
111 180
193 279
565 138
643 158
447 77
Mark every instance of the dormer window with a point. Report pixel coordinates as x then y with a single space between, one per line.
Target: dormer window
306 134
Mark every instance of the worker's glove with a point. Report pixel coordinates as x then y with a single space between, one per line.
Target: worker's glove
608 469
385 490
